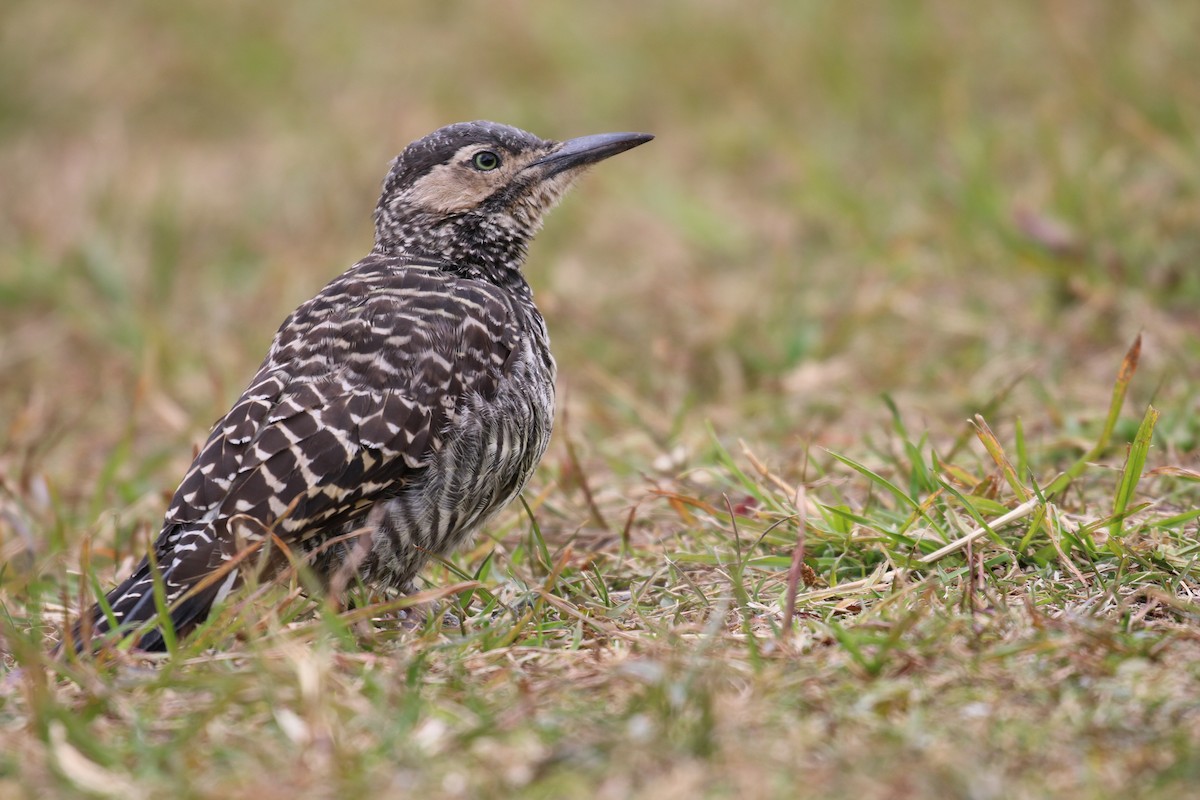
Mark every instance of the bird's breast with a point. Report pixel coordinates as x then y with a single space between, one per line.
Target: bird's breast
490 447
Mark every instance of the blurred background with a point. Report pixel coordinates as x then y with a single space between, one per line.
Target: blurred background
960 205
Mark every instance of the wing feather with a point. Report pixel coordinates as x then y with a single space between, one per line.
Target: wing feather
350 404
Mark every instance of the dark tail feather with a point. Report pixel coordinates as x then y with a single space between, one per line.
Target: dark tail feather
122 600
132 604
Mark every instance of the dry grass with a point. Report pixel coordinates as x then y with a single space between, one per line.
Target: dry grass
857 229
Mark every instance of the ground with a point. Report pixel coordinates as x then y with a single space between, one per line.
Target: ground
888 274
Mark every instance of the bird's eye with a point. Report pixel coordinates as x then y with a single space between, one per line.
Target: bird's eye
486 161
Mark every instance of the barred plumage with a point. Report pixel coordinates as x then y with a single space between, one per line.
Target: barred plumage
413 394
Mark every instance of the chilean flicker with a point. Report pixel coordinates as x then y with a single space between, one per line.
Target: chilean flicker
411 398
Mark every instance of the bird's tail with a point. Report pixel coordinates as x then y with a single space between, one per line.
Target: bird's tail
132 604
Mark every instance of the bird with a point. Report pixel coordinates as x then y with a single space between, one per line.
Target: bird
395 412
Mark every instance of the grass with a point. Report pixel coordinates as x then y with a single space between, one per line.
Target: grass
886 278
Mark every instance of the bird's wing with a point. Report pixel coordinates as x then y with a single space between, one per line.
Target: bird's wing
349 405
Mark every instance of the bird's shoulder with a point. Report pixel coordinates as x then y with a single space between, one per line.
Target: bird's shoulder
395 309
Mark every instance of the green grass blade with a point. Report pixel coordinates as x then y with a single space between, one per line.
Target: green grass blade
1135 464
1120 389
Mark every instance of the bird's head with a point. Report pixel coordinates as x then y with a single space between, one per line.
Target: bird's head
476 192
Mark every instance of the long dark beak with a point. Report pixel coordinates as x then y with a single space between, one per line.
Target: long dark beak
586 150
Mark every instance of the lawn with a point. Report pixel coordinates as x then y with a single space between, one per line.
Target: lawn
877 464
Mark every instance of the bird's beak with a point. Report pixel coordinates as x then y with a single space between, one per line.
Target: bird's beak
587 150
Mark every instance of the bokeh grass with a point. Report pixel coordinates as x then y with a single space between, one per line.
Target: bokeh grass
859 227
